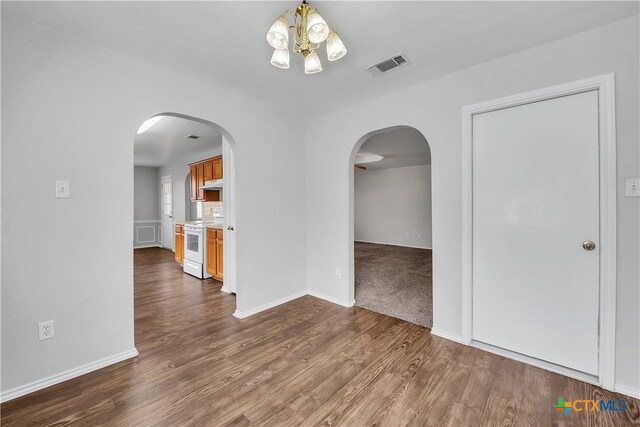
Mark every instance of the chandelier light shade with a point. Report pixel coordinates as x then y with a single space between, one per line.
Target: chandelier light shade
280 58
309 30
312 63
335 47
317 28
278 35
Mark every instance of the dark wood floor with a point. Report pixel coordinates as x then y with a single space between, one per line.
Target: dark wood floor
307 362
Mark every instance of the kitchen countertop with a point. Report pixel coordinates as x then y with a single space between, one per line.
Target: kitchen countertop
217 224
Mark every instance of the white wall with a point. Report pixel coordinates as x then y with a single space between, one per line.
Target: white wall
146 193
82 105
393 206
434 108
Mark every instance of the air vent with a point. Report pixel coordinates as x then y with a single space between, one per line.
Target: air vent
396 61
191 137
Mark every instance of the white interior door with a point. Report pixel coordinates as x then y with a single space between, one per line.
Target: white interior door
229 173
166 205
535 289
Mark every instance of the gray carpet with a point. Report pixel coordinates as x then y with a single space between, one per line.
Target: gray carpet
395 281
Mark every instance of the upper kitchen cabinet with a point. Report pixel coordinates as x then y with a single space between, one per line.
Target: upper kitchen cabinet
217 167
208 170
200 179
201 172
193 171
213 168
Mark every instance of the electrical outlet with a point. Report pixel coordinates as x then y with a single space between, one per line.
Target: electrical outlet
419 235
338 273
45 330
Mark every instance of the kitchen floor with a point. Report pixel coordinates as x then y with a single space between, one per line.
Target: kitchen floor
303 363
396 281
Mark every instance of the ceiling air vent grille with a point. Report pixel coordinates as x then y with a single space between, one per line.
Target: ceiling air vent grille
396 61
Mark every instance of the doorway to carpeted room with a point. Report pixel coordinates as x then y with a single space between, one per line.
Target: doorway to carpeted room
392 225
395 281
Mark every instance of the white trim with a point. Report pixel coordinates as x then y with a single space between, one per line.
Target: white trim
272 304
446 335
146 221
148 246
243 314
153 227
66 375
558 369
332 299
606 99
393 244
225 290
628 391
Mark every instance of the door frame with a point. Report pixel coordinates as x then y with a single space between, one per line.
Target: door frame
170 237
604 84
229 248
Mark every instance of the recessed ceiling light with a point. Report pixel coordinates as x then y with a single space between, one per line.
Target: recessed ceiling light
148 123
190 136
366 157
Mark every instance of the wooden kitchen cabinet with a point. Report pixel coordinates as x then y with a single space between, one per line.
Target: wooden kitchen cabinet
219 255
200 180
215 250
202 171
179 242
211 252
208 170
217 167
193 171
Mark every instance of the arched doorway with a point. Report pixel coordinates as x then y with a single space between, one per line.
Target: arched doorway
172 143
390 224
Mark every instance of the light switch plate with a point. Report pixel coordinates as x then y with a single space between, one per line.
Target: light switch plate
632 187
63 190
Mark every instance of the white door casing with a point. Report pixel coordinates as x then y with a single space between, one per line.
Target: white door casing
520 213
166 211
229 206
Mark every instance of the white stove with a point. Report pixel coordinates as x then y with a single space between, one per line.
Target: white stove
195 251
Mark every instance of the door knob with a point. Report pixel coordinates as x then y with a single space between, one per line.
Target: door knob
230 228
588 245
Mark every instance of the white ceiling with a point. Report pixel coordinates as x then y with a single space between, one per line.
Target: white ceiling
400 147
224 42
165 142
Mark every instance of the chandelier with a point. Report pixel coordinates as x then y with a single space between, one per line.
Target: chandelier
309 30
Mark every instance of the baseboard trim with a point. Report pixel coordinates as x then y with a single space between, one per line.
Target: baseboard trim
225 290
66 375
244 314
147 246
331 299
627 391
393 244
446 335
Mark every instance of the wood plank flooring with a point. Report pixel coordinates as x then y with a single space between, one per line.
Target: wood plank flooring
307 362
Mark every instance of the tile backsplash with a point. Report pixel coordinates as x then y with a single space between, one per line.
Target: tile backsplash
211 210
